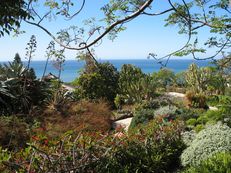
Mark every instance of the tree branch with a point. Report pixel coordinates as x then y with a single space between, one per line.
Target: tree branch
83 45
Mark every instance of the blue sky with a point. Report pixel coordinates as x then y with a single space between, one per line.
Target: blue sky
142 36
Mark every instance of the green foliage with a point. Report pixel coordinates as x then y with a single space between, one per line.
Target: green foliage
191 122
20 87
164 78
166 110
11 14
209 117
180 80
219 100
188 113
142 116
196 100
154 103
4 157
213 116
188 137
207 80
213 139
134 85
159 153
220 162
101 82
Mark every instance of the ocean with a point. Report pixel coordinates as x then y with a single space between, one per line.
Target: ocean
72 68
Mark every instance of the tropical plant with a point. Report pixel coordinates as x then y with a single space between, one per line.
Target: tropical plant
134 85
22 84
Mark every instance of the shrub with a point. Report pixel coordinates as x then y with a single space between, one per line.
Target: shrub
134 85
164 78
188 137
4 157
102 82
213 116
220 163
191 122
196 100
156 103
166 110
142 116
219 100
14 132
79 116
188 113
21 83
198 128
213 139
155 148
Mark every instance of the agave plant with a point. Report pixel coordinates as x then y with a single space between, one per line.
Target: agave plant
21 83
5 96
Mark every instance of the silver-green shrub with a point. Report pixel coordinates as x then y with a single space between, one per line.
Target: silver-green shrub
166 110
213 139
188 137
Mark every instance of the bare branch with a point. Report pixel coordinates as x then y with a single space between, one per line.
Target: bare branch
76 13
157 14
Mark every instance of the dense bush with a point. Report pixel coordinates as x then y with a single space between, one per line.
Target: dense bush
206 80
155 103
180 79
155 148
82 116
142 116
219 163
213 139
188 113
166 110
164 78
209 117
218 100
101 82
14 132
196 100
134 85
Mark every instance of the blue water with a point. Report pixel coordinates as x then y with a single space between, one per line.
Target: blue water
72 68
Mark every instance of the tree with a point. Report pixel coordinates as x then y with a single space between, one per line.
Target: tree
12 12
101 82
190 16
164 78
134 85
206 80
